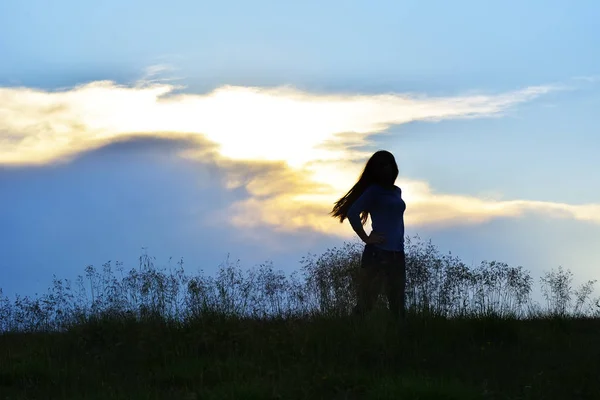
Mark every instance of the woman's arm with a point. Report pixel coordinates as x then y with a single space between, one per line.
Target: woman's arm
363 203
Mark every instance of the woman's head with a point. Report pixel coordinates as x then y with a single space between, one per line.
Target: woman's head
381 168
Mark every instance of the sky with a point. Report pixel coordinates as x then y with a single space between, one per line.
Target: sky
208 130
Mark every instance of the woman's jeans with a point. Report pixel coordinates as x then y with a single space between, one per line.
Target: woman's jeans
377 264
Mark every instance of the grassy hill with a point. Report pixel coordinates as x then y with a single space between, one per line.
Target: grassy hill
471 333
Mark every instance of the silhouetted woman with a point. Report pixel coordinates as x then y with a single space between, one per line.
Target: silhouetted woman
376 194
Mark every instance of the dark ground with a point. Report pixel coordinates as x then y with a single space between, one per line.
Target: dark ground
319 358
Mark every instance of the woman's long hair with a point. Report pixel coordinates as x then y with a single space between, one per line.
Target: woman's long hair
382 169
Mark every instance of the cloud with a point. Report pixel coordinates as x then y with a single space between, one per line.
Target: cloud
295 210
444 209
293 152
275 124
588 78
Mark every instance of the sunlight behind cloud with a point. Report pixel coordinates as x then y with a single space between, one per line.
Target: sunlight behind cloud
294 152
247 123
289 211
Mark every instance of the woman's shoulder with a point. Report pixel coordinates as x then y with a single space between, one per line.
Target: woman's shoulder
376 188
372 187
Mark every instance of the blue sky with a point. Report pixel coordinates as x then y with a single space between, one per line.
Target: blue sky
491 103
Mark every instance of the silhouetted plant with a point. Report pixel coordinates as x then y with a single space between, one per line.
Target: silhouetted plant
330 279
440 285
562 299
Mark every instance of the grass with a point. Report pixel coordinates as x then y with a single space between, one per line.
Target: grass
153 335
306 358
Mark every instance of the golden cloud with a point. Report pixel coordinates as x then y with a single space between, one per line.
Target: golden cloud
293 151
292 211
275 124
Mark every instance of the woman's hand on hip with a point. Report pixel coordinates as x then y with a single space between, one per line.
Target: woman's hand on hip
375 238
